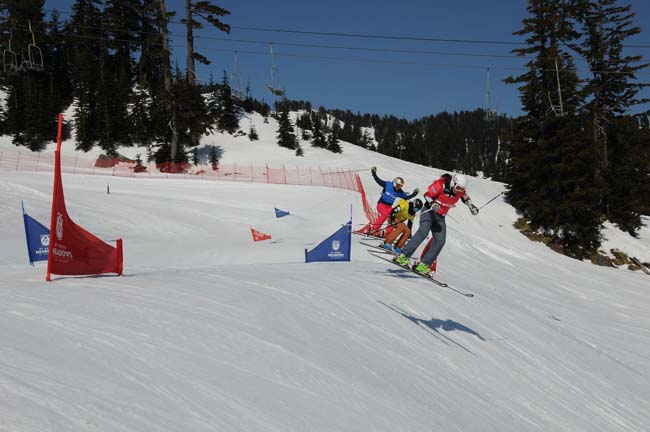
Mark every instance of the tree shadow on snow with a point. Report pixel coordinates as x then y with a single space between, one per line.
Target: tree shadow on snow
433 326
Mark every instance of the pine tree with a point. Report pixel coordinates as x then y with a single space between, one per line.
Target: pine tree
543 158
611 90
32 101
318 139
252 133
209 12
227 113
248 105
286 136
333 144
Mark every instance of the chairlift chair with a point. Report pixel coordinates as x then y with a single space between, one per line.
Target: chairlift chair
34 54
10 58
275 87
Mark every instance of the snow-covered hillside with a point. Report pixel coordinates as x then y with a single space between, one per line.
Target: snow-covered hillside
208 331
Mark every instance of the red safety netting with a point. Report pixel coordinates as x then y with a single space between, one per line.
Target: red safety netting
25 160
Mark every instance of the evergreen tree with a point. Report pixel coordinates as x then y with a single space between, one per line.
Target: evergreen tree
226 111
209 12
286 136
318 139
610 91
552 164
248 104
333 144
117 91
32 102
252 133
86 52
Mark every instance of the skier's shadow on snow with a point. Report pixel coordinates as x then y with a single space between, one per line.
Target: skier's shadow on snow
401 273
435 325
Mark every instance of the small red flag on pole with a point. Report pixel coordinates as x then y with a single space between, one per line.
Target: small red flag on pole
259 236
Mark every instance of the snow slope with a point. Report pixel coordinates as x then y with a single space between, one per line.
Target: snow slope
208 331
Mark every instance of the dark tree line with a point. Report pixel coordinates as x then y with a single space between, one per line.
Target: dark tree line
465 141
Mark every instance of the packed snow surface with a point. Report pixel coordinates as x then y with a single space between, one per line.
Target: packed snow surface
208 331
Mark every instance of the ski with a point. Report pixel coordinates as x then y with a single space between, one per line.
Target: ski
435 281
379 249
368 236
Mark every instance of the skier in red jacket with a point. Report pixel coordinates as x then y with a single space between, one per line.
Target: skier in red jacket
442 195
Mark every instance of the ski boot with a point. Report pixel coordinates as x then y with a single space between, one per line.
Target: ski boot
402 260
422 268
386 246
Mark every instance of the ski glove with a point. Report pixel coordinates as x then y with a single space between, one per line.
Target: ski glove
473 209
373 169
431 205
416 191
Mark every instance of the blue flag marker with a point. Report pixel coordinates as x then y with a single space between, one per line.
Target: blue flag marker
337 247
37 236
280 213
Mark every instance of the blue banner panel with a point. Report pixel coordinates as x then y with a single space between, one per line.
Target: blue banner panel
336 247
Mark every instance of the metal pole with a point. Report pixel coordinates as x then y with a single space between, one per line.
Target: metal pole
500 193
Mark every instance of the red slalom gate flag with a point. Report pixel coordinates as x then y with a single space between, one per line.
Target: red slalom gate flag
259 236
73 250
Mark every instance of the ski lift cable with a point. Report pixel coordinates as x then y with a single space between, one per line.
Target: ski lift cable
212 48
366 36
403 51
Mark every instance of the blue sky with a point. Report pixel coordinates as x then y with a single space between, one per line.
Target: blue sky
404 84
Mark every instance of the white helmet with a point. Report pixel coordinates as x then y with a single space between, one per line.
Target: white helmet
459 180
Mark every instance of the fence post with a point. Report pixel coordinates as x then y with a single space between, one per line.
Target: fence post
267 173
37 161
284 171
298 171
17 160
234 170
347 185
252 172
311 180
74 169
1 152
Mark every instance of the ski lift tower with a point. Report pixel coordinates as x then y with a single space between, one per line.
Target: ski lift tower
490 113
275 86
234 81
